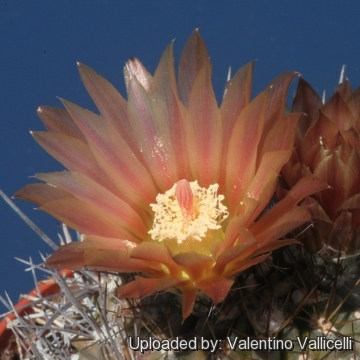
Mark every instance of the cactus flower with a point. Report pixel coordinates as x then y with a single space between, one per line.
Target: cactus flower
168 184
328 147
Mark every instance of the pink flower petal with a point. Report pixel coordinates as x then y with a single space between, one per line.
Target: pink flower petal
154 252
165 94
236 98
114 156
216 288
193 58
142 287
305 187
242 156
41 193
152 134
234 267
67 257
235 253
112 106
207 129
291 220
88 191
135 69
73 153
119 261
188 301
59 121
87 219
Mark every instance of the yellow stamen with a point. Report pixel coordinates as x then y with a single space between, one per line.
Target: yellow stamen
187 211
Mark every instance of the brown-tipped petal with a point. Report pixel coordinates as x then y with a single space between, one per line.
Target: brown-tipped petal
291 172
263 185
274 160
152 134
339 177
189 259
154 252
350 204
233 230
74 154
110 243
353 244
135 69
315 155
234 268
275 105
193 58
110 103
241 159
344 89
188 301
289 221
114 156
323 132
207 128
59 121
216 288
145 287
349 137
277 89
165 94
194 264
315 210
237 252
67 257
73 255
308 102
339 113
86 218
85 189
130 290
282 135
353 103
83 217
236 98
340 232
276 245
41 193
116 260
165 77
304 187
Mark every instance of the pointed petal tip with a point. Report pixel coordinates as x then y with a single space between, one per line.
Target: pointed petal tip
82 68
18 194
135 69
188 302
67 257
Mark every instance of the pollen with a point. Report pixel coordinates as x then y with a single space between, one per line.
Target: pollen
187 211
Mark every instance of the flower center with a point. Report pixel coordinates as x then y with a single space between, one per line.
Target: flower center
187 211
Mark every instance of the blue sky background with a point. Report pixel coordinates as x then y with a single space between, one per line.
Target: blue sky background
40 42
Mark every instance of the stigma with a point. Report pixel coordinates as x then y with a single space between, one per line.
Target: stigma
187 211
